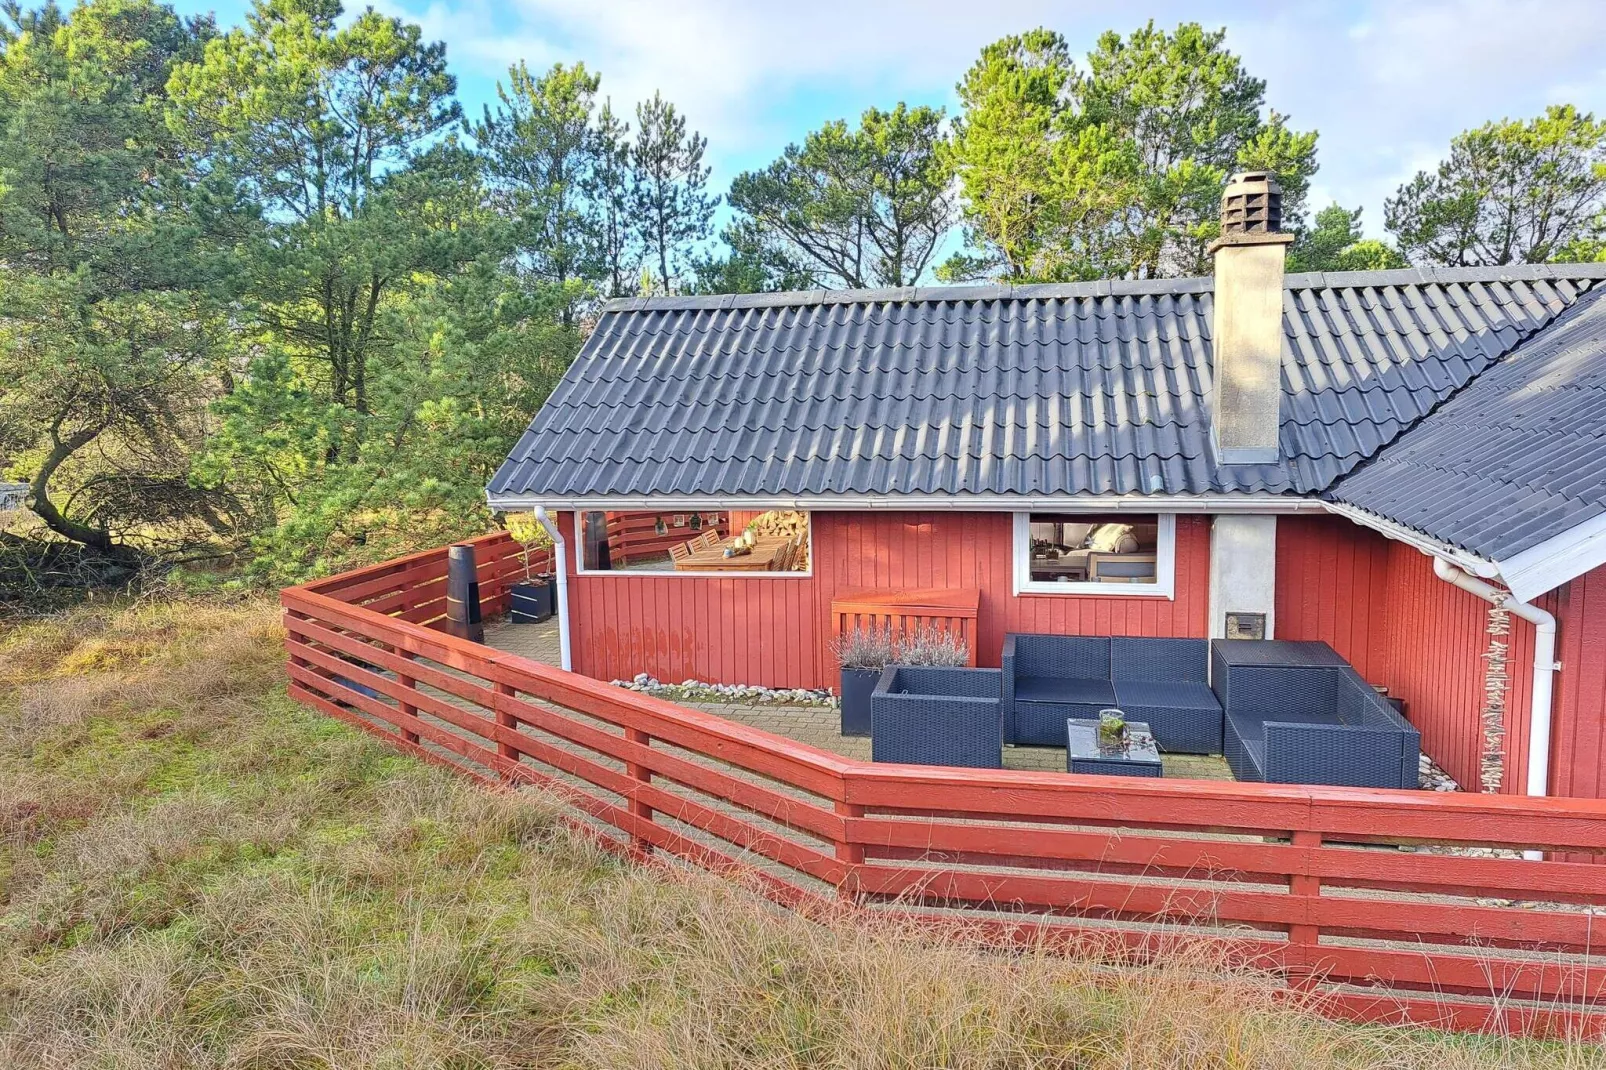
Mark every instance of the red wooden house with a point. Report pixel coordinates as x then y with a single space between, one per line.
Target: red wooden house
1410 465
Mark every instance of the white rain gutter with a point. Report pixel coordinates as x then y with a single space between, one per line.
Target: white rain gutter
1545 666
1439 551
1005 503
560 558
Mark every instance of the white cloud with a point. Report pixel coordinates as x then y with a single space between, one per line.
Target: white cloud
1387 83
726 64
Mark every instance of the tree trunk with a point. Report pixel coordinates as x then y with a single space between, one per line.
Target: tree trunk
39 501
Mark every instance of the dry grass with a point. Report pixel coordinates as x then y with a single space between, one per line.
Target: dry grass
198 873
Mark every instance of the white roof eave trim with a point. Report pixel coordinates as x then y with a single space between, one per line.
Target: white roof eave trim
1468 562
1527 575
1557 560
1168 503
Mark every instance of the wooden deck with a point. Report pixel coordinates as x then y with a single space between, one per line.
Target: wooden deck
818 726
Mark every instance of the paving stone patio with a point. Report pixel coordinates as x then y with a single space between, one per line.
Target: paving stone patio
818 726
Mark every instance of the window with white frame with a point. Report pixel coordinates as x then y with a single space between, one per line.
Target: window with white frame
689 543
1096 553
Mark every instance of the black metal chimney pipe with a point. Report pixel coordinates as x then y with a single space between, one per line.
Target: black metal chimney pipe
463 594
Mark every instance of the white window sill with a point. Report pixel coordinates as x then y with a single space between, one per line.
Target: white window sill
1101 590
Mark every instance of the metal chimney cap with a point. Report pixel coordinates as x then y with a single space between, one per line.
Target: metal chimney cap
1251 211
1252 204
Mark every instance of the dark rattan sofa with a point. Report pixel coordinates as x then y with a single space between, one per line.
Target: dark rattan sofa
1049 679
1297 713
938 716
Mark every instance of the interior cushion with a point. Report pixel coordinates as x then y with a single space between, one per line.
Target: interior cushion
1113 538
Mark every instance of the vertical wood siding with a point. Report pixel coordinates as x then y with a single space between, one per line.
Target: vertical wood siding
1380 606
958 549
1437 637
1578 752
1332 585
776 631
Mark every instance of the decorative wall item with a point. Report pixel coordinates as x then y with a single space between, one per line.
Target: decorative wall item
1496 684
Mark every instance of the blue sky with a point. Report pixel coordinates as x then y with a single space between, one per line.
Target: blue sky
1386 84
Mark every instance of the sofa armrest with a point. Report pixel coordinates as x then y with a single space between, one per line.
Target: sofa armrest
1334 754
1006 692
887 681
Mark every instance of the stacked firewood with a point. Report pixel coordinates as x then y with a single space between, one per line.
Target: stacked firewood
788 524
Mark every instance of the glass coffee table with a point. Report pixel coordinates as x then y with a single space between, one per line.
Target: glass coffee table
1137 756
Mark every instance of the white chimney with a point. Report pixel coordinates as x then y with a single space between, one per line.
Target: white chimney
1248 342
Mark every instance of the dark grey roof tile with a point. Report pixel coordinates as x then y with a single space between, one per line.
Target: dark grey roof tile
1084 388
1514 457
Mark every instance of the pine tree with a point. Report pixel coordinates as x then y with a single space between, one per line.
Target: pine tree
673 213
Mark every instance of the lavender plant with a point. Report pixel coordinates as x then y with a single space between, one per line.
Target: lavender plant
865 648
932 646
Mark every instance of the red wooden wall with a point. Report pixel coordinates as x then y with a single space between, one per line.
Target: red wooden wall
1578 756
1376 601
1438 638
1332 585
959 549
774 630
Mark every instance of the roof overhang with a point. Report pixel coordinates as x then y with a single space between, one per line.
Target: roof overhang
1467 562
1556 560
1527 575
989 503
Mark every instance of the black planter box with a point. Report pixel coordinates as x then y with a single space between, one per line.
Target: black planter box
530 602
857 684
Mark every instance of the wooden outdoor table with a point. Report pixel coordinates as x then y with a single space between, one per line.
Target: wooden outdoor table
766 551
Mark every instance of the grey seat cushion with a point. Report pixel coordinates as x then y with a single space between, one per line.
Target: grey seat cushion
1165 695
1058 689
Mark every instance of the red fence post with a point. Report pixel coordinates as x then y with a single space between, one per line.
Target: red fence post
851 854
1302 939
293 642
509 722
635 771
407 708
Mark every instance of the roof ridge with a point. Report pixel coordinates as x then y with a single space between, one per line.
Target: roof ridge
1586 298
1308 280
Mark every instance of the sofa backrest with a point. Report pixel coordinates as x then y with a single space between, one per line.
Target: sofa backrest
1297 692
1179 660
1067 657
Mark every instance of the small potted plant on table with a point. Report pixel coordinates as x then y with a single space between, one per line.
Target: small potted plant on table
530 599
1112 730
862 654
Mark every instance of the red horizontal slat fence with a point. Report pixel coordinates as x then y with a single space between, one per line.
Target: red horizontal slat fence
413 588
1376 905
633 536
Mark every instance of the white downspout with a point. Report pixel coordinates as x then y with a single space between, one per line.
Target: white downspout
1545 666
560 559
